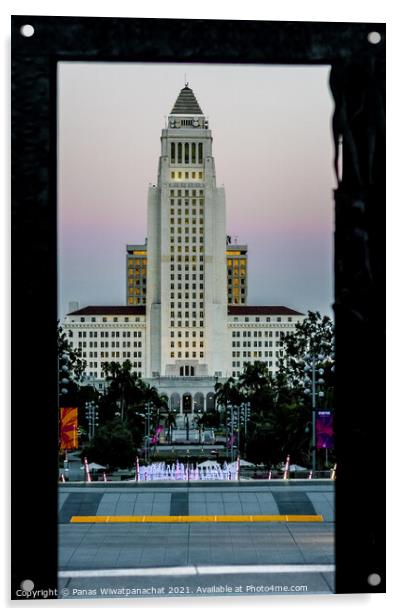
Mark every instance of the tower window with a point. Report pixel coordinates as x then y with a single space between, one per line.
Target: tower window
172 152
179 152
200 152
186 153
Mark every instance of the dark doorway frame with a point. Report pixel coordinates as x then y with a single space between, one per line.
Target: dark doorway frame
358 88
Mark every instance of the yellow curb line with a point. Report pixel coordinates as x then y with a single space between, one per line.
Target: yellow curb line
103 519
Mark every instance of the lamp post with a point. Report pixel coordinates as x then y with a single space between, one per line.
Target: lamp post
92 417
230 423
147 429
186 411
314 393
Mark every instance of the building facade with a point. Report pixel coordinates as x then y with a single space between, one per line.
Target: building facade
136 273
186 324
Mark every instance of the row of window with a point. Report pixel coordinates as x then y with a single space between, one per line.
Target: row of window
236 282
179 294
179 344
186 202
194 258
112 345
187 153
258 320
186 175
194 240
179 230
236 263
124 334
186 219
186 324
186 354
194 267
178 249
186 193
238 364
186 276
186 334
137 262
257 334
258 354
140 291
256 344
107 319
101 375
179 306
125 354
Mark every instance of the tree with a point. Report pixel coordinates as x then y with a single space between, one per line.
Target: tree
257 387
170 423
71 367
313 337
228 393
282 431
112 446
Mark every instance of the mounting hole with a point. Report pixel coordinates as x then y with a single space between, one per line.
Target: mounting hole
27 585
374 38
374 579
27 30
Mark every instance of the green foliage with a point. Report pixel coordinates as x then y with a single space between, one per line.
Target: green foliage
282 431
112 446
77 394
76 365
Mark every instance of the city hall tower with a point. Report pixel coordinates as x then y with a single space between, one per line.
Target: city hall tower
186 298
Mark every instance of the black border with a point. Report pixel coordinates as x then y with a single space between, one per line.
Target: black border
359 299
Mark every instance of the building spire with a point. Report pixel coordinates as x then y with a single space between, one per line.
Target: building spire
186 102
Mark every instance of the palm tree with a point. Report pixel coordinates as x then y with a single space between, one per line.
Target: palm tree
123 384
228 393
170 423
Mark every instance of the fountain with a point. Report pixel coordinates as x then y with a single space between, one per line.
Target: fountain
178 471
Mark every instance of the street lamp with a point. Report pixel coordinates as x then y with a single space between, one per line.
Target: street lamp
313 382
186 411
230 423
63 373
92 416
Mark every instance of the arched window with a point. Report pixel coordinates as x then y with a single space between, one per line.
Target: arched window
191 370
193 153
175 402
172 152
179 152
187 403
186 153
181 371
210 401
200 152
199 402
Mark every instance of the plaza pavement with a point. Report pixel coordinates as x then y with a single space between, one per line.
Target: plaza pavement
192 555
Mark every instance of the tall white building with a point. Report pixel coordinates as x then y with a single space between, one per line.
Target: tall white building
189 337
186 279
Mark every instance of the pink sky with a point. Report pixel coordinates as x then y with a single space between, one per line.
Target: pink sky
273 153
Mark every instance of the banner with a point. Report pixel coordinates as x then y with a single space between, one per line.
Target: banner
324 430
155 438
68 428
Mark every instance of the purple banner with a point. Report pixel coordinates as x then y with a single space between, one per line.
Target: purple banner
324 430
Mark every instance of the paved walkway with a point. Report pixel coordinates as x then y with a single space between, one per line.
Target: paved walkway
231 500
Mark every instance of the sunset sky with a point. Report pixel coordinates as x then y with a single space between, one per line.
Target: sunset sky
271 127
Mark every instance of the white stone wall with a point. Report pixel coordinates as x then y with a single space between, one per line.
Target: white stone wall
106 341
154 294
258 338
